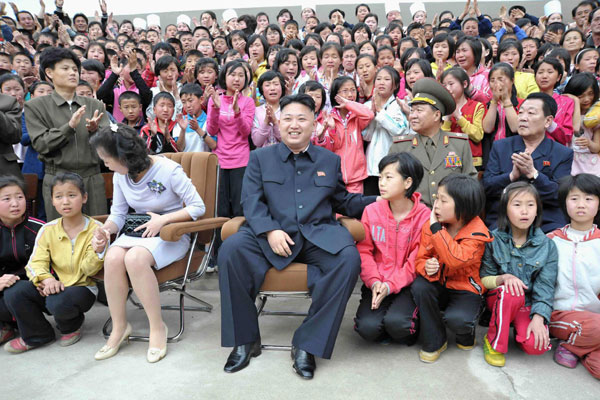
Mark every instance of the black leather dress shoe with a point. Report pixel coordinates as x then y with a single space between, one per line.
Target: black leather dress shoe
304 363
239 358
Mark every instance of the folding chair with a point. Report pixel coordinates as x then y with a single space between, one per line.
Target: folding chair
203 170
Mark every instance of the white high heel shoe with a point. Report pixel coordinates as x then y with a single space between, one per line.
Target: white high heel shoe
107 352
155 354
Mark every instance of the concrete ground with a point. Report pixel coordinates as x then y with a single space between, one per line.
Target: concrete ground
193 368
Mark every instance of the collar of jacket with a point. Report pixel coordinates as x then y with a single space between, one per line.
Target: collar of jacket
22 222
562 233
61 231
543 149
285 152
59 100
535 237
474 229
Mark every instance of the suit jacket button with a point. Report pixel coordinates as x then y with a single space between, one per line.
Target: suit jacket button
299 172
432 172
432 183
298 190
300 206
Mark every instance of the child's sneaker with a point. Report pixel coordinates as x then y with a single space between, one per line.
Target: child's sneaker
431 357
491 356
70 338
17 346
6 333
466 347
564 357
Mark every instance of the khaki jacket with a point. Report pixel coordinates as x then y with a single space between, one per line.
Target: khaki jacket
10 132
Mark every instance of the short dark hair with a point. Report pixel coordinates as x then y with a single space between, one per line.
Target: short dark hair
283 11
163 63
274 27
96 66
53 55
82 16
475 46
11 180
511 190
334 11
125 145
37 84
408 166
311 86
229 68
591 16
283 56
467 193
587 183
10 77
581 82
510 44
130 95
549 106
193 89
444 37
313 36
335 88
361 5
361 25
68 177
163 46
300 98
307 50
558 67
163 95
204 61
269 76
261 39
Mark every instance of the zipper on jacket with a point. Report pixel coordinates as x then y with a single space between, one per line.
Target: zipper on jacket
574 272
14 243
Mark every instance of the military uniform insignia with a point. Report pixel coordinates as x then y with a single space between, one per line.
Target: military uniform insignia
546 163
453 160
415 142
446 140
404 138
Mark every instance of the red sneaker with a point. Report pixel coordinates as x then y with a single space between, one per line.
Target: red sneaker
17 346
6 333
70 338
564 357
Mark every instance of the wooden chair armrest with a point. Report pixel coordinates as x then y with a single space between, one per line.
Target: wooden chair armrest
232 226
354 226
173 232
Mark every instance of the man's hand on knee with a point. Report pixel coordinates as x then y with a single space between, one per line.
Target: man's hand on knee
279 242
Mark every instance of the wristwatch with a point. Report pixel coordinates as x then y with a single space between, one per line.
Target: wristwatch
205 135
535 176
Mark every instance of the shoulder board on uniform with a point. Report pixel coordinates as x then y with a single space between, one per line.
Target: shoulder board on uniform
456 135
404 138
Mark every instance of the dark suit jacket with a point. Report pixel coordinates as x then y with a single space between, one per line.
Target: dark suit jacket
10 133
299 196
551 159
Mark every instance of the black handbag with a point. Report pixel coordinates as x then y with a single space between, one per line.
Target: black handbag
132 221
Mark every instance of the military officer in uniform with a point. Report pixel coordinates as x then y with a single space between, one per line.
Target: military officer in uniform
440 152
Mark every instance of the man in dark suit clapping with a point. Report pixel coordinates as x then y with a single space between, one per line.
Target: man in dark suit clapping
290 194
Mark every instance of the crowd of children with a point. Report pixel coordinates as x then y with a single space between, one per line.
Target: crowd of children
215 86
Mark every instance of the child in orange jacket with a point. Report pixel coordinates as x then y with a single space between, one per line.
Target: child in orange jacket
448 261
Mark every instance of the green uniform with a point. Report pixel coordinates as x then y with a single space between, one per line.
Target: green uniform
63 148
450 152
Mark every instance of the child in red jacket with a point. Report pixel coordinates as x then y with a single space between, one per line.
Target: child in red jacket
448 262
344 135
388 253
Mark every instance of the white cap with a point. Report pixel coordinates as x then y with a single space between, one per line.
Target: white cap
229 14
139 23
416 7
391 6
552 7
183 18
153 20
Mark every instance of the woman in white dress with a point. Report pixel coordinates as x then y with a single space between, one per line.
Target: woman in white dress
151 185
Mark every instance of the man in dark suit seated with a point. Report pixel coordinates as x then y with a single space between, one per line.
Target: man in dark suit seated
532 157
290 194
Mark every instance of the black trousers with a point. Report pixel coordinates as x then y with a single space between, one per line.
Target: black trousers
461 311
5 315
397 317
28 307
331 279
230 198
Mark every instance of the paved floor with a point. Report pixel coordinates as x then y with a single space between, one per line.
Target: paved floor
193 367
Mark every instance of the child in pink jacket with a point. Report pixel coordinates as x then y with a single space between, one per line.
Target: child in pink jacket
230 118
388 252
344 134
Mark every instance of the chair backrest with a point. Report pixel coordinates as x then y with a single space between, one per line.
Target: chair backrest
108 187
31 188
203 170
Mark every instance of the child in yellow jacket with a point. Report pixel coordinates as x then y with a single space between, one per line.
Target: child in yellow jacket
59 272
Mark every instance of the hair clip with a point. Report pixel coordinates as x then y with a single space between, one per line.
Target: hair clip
114 127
